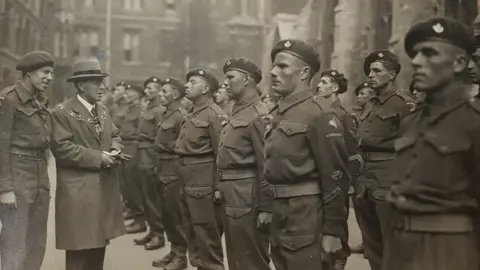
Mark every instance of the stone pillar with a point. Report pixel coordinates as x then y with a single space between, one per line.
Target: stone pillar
349 44
406 13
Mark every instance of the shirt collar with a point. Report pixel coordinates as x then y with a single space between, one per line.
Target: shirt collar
386 95
24 93
199 107
451 98
86 104
242 104
171 108
290 101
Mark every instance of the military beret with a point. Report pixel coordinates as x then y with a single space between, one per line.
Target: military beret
361 86
152 79
177 84
300 49
137 88
385 57
440 29
339 78
244 65
34 60
206 75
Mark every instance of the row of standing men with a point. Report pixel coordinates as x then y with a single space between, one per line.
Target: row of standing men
275 182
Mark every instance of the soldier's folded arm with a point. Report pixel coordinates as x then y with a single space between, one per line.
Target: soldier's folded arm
64 149
265 199
331 157
6 122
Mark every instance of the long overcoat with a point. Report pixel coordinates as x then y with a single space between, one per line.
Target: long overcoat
88 201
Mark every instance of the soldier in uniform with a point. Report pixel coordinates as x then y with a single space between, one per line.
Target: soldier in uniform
333 83
378 128
223 99
244 190
197 147
363 93
168 187
146 163
24 183
128 119
435 191
86 145
306 164
118 96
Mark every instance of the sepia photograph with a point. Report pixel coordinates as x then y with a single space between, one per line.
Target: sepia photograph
239 134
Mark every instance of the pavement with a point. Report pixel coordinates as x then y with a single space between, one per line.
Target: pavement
122 254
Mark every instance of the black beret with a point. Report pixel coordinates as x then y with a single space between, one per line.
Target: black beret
35 60
339 78
206 75
121 83
244 65
365 84
440 29
177 84
137 88
152 79
300 49
385 57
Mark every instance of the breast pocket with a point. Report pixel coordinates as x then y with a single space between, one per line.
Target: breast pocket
386 122
452 153
290 139
200 132
236 130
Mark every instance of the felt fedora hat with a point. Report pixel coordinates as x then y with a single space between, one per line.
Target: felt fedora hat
86 69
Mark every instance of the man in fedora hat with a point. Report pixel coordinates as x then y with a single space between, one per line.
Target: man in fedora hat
24 183
86 145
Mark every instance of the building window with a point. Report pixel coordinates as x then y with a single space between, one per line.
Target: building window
131 46
93 44
135 5
88 3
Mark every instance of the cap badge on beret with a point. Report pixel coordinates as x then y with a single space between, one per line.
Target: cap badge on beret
201 72
380 55
229 63
287 44
167 80
155 79
334 73
438 28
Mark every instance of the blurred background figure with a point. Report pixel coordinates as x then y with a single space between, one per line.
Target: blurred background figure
222 99
270 101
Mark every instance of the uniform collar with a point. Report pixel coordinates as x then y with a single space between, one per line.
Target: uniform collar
199 107
22 91
384 96
450 99
242 104
171 108
292 100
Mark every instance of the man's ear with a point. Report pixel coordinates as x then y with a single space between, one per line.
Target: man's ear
305 73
